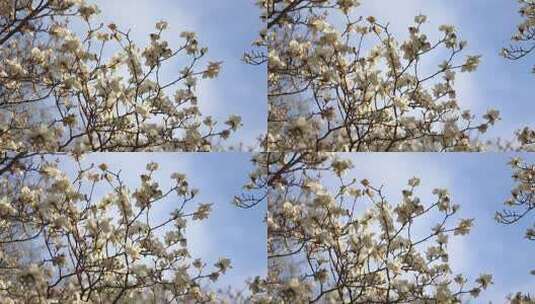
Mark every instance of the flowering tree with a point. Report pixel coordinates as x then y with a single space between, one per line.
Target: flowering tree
348 244
93 239
524 38
354 87
519 206
62 88
520 299
522 200
524 44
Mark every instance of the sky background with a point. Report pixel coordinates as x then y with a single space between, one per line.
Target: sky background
227 28
229 231
480 183
487 25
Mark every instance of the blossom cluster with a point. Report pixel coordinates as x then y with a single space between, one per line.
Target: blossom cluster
524 37
99 246
63 91
335 239
521 202
355 87
519 207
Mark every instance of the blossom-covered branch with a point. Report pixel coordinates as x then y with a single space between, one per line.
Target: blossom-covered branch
355 87
63 89
91 238
334 239
524 38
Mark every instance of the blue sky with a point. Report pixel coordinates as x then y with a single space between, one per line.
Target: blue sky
227 28
487 25
480 183
229 231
